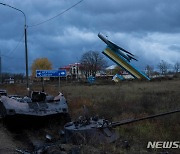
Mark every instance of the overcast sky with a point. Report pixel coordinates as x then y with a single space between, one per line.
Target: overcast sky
150 29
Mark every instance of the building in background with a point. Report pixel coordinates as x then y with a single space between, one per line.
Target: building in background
9 81
76 72
114 69
73 71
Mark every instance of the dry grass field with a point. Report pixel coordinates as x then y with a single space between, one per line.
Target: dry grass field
124 100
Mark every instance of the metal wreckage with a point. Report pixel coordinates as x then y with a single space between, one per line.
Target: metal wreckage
91 130
40 106
95 130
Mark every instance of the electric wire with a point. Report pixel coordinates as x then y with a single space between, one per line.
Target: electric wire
20 40
9 57
10 52
40 23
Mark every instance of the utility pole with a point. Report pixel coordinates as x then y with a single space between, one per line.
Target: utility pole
0 69
25 34
26 56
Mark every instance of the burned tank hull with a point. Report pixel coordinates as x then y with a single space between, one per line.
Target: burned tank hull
94 130
90 131
39 108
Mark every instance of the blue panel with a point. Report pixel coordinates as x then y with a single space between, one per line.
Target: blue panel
120 77
119 65
128 63
91 79
50 73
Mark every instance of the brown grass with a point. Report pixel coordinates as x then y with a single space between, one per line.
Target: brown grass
129 99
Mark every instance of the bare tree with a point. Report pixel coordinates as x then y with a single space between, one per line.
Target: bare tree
149 70
176 67
163 67
91 62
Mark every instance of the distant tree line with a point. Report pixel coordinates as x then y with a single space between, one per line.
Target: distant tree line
91 63
163 67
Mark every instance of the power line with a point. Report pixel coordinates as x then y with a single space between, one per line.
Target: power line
56 15
9 57
16 45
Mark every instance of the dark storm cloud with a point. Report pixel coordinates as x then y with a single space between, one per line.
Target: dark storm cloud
139 15
150 29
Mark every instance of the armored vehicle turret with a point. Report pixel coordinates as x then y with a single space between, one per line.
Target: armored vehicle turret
39 106
94 130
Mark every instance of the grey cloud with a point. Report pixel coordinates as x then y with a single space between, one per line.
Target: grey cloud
129 16
149 29
175 47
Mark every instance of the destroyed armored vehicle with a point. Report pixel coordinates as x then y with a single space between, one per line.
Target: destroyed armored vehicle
90 130
94 130
38 106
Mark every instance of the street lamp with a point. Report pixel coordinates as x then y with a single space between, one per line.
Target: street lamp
25 34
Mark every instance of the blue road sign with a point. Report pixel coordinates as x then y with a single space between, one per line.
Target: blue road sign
50 73
91 79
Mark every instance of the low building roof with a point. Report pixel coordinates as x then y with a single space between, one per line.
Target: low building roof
112 67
